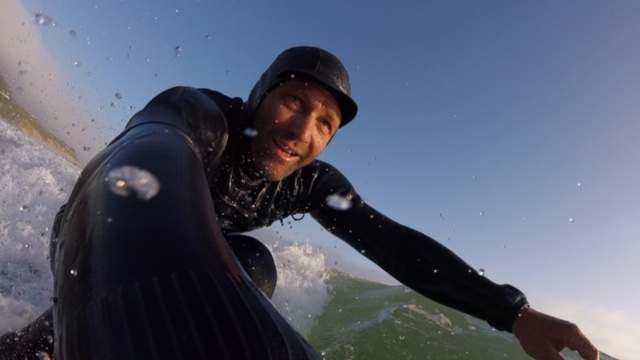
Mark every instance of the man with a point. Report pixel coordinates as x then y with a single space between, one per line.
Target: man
160 274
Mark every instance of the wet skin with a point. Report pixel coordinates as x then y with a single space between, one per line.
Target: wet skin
294 123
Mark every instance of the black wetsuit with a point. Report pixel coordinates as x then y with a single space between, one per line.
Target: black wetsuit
217 129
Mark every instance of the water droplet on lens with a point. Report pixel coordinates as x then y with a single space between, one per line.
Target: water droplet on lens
42 19
572 219
338 202
130 179
72 33
250 132
77 63
481 272
177 51
118 95
74 272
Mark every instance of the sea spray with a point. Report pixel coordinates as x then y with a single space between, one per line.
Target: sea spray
34 183
302 289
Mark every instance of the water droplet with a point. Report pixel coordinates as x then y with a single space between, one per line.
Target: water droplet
481 272
77 63
338 202
435 271
24 208
250 132
74 272
177 51
481 213
208 37
363 251
72 33
293 76
572 219
579 184
42 19
118 95
130 179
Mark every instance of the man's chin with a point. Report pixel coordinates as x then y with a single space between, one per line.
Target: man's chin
275 173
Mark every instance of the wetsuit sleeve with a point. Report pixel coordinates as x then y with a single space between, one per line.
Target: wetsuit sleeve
415 259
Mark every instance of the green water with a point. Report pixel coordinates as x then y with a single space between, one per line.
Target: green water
367 320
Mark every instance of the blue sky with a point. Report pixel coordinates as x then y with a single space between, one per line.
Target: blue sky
506 130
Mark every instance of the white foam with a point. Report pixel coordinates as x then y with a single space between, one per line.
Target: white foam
302 290
34 183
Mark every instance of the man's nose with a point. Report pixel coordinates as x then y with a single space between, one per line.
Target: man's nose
301 127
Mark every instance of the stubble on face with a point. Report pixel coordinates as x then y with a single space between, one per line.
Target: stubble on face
294 123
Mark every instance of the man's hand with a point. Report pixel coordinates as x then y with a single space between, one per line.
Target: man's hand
543 337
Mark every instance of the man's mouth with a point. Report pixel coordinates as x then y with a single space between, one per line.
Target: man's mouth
285 149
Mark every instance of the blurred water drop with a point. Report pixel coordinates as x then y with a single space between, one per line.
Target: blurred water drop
250 132
24 208
208 37
177 51
72 33
338 202
481 272
77 63
118 95
481 213
74 272
130 179
42 19
572 219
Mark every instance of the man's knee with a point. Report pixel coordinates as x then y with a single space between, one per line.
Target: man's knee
256 260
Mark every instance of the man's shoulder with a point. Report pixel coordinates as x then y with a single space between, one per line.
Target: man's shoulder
324 175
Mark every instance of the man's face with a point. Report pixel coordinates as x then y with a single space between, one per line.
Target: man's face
295 122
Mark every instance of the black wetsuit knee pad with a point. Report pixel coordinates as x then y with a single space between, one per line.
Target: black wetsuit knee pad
256 260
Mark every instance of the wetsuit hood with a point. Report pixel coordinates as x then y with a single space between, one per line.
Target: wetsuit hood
308 62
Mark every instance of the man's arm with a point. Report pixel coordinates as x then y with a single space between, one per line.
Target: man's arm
423 264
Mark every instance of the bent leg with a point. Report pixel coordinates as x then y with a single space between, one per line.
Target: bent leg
256 260
140 277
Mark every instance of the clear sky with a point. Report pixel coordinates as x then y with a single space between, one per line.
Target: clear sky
508 131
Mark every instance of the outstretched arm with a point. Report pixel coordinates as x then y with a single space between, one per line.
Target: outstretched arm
426 266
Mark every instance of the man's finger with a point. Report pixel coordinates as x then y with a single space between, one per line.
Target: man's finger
578 342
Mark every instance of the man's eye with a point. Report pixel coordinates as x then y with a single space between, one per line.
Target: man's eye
294 98
328 125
